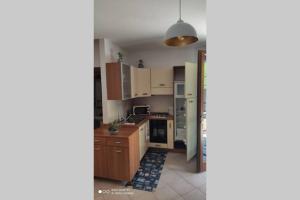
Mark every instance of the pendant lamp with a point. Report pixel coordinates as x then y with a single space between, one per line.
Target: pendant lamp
181 33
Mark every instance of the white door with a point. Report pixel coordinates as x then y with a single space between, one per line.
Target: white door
191 128
190 80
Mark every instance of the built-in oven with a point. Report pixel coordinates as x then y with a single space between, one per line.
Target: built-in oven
141 110
158 131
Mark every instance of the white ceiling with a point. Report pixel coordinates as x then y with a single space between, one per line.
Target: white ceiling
141 24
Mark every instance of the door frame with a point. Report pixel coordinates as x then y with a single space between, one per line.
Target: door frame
201 166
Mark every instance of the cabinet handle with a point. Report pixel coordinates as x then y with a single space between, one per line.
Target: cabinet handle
118 151
157 145
117 142
189 94
145 93
162 84
191 101
136 94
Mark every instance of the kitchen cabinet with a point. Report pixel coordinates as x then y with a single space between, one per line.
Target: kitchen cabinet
100 169
142 140
118 81
191 127
140 82
170 134
134 81
162 81
147 133
116 156
190 80
143 82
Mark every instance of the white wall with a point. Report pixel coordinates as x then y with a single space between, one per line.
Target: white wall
112 109
96 53
162 58
157 103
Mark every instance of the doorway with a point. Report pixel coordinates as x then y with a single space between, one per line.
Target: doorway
98 115
201 112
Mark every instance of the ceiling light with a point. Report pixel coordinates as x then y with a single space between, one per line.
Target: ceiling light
181 33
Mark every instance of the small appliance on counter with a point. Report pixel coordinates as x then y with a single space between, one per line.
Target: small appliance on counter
141 110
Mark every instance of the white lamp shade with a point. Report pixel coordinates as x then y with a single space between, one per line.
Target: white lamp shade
180 34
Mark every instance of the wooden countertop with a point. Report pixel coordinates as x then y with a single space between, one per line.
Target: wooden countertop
124 131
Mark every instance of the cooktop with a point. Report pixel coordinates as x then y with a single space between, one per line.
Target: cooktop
135 119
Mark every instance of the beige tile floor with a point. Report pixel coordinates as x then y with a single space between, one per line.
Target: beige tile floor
177 182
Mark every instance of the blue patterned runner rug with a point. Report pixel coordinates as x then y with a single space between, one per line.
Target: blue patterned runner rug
147 176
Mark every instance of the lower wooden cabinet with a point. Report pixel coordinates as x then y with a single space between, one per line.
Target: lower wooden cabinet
100 168
115 157
118 163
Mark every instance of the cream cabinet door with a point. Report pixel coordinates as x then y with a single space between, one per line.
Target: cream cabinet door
145 138
134 81
191 127
190 80
170 135
143 82
161 77
147 134
142 139
162 81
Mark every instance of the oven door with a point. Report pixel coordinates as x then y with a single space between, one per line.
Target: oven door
158 131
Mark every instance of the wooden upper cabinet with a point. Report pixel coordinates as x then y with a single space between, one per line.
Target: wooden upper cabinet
190 80
162 81
118 81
